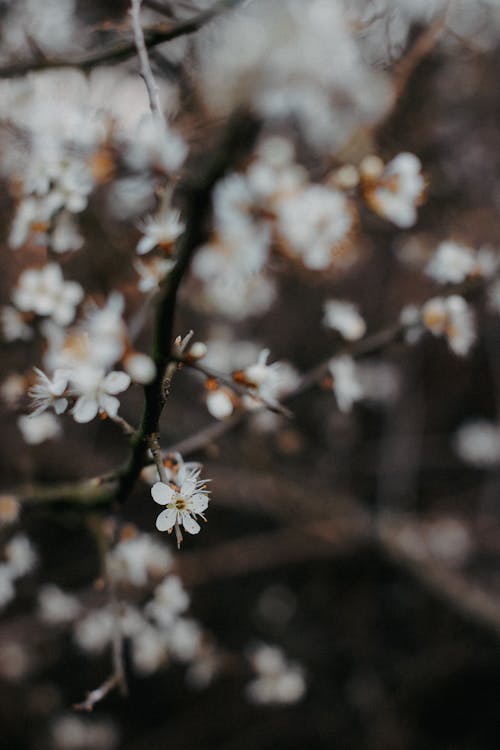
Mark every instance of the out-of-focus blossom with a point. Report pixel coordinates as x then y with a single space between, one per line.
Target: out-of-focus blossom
96 392
170 600
478 443
55 607
396 193
314 224
155 146
47 393
453 263
346 383
160 230
140 367
44 292
152 272
133 561
36 430
344 318
21 556
13 325
184 639
278 681
74 733
220 402
453 318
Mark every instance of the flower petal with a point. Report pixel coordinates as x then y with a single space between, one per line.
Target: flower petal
85 409
110 404
162 493
199 503
116 382
166 519
191 526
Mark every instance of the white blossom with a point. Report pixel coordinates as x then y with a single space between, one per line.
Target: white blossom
75 733
140 367
134 560
48 393
266 383
346 383
152 272
220 402
94 631
96 392
184 501
7 590
149 650
184 639
44 292
314 224
278 681
398 191
13 325
161 230
170 600
55 607
478 443
452 263
453 318
344 317
38 429
21 556
155 145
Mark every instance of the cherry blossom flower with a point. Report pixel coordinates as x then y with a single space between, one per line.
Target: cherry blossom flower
266 383
13 325
134 560
170 600
314 225
397 191
344 318
277 681
48 393
160 230
152 272
55 607
478 443
44 292
453 263
97 392
346 384
183 501
453 318
38 429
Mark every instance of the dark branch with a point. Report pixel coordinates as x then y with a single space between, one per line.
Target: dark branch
122 51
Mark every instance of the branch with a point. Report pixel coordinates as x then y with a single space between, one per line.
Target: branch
119 52
146 72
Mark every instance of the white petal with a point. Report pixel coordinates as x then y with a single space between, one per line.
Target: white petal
191 526
85 409
199 503
60 405
110 404
162 493
116 382
145 245
166 519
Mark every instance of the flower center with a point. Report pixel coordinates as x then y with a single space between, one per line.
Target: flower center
180 503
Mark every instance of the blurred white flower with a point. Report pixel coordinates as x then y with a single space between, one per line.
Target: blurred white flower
140 367
7 590
278 681
155 146
38 429
48 393
478 443
266 383
55 607
346 383
44 292
344 317
170 600
21 556
314 223
453 318
13 325
184 639
220 402
452 263
161 230
134 560
96 392
152 272
397 192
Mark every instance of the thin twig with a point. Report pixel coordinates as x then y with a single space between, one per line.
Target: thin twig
122 51
146 71
97 695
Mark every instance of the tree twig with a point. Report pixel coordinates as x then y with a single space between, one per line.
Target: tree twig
121 51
